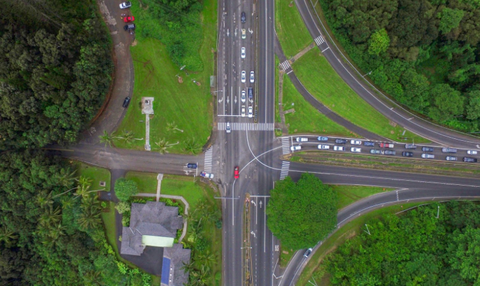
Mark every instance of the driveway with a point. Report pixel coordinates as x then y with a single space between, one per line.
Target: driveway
112 112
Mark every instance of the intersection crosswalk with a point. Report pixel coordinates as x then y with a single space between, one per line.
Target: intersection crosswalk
285 65
285 145
248 126
208 161
319 40
285 168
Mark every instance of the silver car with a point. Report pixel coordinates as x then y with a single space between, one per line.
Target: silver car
243 53
243 110
250 111
355 150
125 5
252 77
323 147
244 76
243 97
428 156
228 129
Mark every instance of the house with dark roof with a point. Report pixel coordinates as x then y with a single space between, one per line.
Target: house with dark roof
153 227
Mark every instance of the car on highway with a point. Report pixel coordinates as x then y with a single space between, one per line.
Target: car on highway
250 94
192 165
451 158
301 139
243 17
252 76
296 148
126 102
236 172
129 27
250 111
228 129
338 148
427 149
355 142
410 146
322 138
428 156
244 34
376 151
243 76
206 175
243 96
449 150
407 154
469 160
389 152
323 147
355 150
340 141
128 19
369 143
472 152
307 253
386 145
243 111
125 5
243 52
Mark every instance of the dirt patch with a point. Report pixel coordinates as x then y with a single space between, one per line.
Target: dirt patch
134 43
180 79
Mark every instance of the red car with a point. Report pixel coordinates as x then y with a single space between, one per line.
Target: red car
386 145
128 19
236 172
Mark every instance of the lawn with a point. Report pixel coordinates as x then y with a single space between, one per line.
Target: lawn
291 31
184 105
95 174
350 194
321 80
330 244
306 119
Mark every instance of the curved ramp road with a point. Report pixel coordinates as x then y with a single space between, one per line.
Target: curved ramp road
388 108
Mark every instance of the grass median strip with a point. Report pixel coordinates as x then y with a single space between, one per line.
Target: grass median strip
321 80
388 163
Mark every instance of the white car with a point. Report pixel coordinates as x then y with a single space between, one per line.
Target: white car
250 111
252 77
323 147
355 150
125 5
428 156
243 53
243 97
244 34
206 175
338 148
244 76
296 148
243 110
355 142
228 129
301 139
472 152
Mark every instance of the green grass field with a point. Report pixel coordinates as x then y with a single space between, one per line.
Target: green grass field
95 174
315 266
291 31
307 119
350 194
186 104
321 80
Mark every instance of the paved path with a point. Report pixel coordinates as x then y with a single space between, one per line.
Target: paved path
159 185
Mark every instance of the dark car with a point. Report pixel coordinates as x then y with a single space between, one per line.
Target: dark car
341 141
389 152
322 138
407 154
129 27
243 17
369 143
469 160
308 252
250 94
126 102
192 165
427 149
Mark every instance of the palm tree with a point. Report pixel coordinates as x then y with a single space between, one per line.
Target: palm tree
164 145
66 177
188 267
50 217
173 127
7 236
207 258
89 218
93 278
192 146
44 200
106 138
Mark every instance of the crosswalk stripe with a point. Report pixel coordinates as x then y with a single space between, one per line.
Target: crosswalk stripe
208 160
285 65
236 126
319 40
285 146
285 168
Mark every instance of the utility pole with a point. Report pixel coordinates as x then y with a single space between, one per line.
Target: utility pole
438 212
368 231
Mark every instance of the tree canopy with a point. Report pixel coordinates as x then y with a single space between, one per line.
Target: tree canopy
125 188
303 213
413 249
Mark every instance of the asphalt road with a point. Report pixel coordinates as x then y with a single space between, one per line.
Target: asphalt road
387 107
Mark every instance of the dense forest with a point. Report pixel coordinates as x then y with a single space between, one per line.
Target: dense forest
431 245
424 53
55 69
